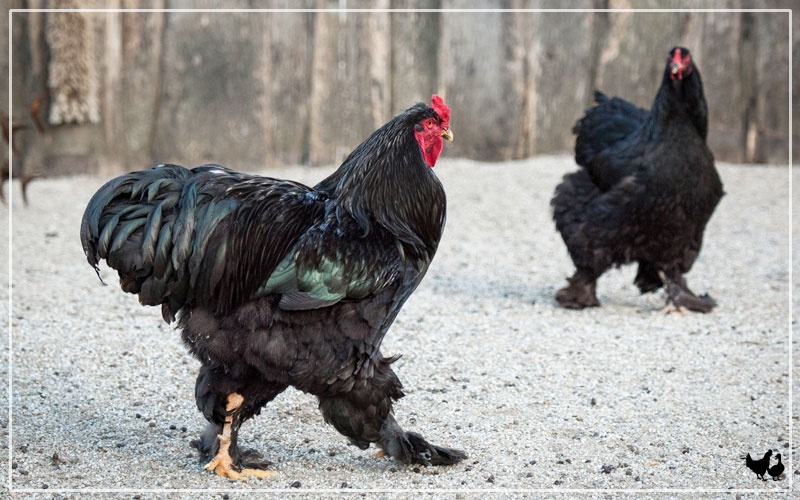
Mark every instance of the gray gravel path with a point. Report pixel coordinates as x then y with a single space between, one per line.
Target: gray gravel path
615 400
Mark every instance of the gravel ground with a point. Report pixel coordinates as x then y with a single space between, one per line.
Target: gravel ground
615 401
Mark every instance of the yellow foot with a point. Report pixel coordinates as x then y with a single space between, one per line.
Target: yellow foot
222 464
223 467
379 454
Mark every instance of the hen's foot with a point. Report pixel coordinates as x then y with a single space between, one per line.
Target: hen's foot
414 449
411 448
681 297
578 295
223 464
702 304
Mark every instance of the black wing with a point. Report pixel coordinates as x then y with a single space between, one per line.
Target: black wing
207 236
607 142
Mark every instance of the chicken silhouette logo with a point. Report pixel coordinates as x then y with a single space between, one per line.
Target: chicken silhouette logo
762 466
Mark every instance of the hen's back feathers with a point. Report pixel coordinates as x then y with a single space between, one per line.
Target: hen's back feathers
607 123
170 232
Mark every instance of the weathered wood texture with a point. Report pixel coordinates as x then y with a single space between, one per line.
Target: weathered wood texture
253 89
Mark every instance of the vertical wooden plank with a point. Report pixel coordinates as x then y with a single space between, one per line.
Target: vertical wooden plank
717 41
20 57
4 61
632 57
286 76
112 71
795 87
769 126
29 79
473 72
559 74
350 89
414 53
210 111
141 35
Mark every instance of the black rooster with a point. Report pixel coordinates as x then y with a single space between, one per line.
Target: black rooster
277 284
758 466
776 470
647 188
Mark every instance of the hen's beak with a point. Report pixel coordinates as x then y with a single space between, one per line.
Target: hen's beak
448 134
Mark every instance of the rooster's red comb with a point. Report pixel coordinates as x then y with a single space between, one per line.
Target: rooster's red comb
438 105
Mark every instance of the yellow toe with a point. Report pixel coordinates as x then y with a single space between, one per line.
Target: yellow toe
261 474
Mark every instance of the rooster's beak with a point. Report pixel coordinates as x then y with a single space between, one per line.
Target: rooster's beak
448 134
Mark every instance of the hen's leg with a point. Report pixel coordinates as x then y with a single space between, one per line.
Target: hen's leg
226 404
223 463
363 414
581 291
647 279
681 297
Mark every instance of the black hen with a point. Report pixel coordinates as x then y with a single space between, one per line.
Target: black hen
277 284
758 466
776 470
647 188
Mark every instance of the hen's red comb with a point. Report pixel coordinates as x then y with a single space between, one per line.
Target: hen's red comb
438 105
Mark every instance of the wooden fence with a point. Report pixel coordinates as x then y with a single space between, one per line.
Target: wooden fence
124 90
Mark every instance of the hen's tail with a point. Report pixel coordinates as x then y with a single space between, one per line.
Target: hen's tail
152 227
608 122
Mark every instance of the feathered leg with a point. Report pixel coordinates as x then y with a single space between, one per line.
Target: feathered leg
681 297
363 414
647 278
581 291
